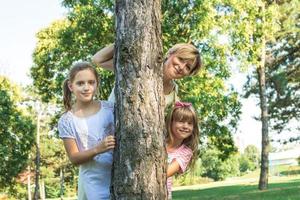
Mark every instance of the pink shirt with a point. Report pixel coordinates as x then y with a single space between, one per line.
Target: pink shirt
182 155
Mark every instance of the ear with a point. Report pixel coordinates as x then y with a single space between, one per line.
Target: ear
70 86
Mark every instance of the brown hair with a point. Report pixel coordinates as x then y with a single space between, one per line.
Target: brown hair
185 113
77 67
187 52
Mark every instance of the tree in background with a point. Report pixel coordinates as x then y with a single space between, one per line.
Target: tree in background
250 159
282 72
272 21
252 153
283 82
50 162
213 167
17 133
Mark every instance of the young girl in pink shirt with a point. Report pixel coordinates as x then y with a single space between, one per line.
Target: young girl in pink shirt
182 140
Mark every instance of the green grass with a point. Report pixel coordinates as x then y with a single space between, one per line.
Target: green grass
289 190
284 186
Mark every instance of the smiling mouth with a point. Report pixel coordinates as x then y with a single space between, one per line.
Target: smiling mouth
184 131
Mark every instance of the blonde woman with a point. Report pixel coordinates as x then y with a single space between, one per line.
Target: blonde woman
180 61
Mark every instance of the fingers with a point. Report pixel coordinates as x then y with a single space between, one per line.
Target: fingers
110 137
109 142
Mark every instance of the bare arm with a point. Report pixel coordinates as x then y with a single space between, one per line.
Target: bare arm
104 57
173 168
76 157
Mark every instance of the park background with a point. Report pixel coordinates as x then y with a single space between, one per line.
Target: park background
41 39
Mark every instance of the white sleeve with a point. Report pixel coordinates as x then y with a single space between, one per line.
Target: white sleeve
64 127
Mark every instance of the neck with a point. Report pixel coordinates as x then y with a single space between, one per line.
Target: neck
167 80
168 85
83 105
172 145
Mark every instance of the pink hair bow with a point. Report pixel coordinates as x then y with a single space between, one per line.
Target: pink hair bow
180 104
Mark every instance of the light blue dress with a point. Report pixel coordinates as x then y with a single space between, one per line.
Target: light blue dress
94 176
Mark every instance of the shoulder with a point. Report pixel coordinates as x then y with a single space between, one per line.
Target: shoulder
65 118
183 157
185 150
107 104
65 126
107 108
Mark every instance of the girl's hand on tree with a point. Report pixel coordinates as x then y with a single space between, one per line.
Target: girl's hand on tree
106 144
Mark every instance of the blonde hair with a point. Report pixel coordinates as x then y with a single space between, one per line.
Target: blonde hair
185 113
187 52
77 67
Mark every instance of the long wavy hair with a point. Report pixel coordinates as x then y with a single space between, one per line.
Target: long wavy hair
77 67
185 113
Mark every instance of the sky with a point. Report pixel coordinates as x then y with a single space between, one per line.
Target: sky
21 20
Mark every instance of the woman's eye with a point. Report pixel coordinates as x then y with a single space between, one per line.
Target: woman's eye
80 83
91 82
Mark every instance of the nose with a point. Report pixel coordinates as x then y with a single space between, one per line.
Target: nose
185 125
86 86
182 66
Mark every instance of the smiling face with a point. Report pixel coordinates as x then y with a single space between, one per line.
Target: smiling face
181 60
84 86
182 125
176 68
182 129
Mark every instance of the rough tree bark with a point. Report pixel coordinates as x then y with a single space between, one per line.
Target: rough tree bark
139 170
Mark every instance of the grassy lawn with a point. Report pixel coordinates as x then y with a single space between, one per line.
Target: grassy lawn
243 188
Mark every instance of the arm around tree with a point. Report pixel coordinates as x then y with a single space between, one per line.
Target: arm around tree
79 157
104 57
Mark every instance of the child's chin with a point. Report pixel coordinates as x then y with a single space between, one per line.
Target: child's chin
88 99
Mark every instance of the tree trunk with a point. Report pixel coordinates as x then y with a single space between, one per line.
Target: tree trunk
62 178
42 190
139 170
37 159
264 169
37 174
28 183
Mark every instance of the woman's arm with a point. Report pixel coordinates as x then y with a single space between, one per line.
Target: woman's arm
104 57
173 168
76 157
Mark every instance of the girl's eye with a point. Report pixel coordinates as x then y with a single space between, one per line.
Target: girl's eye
92 82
